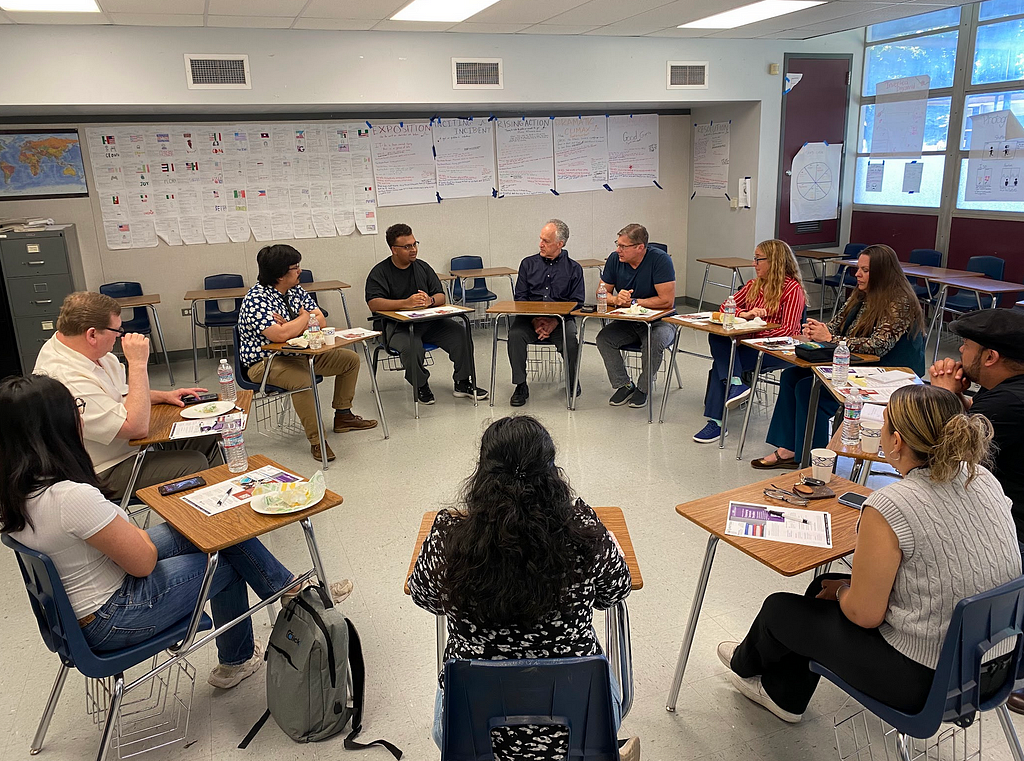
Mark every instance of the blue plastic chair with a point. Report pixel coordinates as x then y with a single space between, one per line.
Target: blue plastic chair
63 636
306 276
139 321
967 301
570 693
978 623
213 315
478 292
925 257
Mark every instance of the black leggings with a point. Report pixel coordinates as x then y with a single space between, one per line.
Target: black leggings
791 630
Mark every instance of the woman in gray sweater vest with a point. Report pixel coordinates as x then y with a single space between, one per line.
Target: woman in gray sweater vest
941 534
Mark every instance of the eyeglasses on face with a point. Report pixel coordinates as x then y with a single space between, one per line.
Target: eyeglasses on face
760 259
80 403
621 247
295 268
120 331
409 246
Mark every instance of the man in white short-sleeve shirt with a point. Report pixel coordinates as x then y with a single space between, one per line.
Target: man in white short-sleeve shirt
117 406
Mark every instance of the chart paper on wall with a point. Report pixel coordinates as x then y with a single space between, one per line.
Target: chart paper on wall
711 159
996 158
633 151
814 182
900 109
526 161
403 163
581 153
464 156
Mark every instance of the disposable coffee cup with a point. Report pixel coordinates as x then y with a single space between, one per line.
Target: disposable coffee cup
822 463
328 336
870 436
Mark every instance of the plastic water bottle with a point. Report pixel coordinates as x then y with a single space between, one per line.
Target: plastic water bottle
841 364
602 299
316 336
851 418
226 376
729 313
234 447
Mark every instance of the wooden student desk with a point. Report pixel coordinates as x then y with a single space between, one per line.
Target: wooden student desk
509 309
710 514
733 263
149 302
617 639
979 285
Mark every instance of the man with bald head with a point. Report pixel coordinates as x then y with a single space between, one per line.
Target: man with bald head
549 275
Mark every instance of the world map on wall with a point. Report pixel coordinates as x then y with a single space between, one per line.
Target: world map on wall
41 164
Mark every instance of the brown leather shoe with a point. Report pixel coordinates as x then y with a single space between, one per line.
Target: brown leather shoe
314 449
1016 701
348 422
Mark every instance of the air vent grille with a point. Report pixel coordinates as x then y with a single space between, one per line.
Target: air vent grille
806 228
687 75
477 74
217 72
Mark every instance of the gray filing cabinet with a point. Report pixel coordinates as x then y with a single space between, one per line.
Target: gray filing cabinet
40 268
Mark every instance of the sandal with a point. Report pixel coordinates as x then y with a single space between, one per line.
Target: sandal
780 463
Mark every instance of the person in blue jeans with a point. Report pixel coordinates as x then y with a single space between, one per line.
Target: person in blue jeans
125 584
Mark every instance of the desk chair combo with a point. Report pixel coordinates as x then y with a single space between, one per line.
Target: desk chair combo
925 257
844 279
139 322
306 276
213 315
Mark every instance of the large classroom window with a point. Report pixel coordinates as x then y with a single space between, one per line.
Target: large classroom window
988 40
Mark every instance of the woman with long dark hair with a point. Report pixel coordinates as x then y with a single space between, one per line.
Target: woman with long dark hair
883 317
125 584
521 566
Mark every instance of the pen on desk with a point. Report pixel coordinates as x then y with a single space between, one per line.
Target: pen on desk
226 495
780 514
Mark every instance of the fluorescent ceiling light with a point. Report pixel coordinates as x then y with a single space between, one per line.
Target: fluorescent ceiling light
748 14
441 10
53 6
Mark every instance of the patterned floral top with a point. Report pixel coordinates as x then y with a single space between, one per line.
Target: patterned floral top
885 334
257 312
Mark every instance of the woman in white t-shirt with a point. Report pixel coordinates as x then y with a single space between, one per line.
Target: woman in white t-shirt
125 584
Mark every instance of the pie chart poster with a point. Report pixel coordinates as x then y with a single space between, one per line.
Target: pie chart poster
814 182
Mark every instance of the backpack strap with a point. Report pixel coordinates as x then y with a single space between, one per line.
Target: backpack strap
358 671
255 730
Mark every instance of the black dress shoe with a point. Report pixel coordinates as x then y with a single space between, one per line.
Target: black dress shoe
520 395
1016 701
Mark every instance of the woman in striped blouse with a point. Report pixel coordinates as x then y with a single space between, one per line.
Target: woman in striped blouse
776 295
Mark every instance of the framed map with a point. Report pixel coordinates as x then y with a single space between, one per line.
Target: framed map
41 164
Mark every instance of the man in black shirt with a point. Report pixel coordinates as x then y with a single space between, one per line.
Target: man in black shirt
404 281
546 276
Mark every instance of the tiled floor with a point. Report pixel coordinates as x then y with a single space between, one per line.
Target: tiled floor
612 457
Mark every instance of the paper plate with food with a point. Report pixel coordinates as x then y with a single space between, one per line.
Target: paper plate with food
210 409
283 498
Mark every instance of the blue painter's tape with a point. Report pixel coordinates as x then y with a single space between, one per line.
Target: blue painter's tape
491 118
369 125
553 191
434 151
439 199
494 192
694 195
402 125
727 196
607 187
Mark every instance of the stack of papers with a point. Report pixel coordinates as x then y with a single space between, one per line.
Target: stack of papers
430 311
875 384
789 525
187 429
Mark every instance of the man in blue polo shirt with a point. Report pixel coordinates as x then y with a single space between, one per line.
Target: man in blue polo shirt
635 272
546 276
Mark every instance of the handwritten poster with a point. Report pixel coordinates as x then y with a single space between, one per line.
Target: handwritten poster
814 182
900 109
711 159
526 162
403 163
996 158
632 151
581 153
464 156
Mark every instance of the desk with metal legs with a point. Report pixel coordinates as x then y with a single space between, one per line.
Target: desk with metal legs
734 263
979 285
824 257
149 302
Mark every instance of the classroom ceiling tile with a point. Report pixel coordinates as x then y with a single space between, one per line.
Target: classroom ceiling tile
157 19
366 9
279 8
603 12
251 22
336 24
469 27
683 33
627 28
69 19
524 11
387 25
830 13
568 29
148 6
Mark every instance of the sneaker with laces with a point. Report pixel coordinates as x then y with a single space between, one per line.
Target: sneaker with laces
424 394
737 395
622 395
225 677
638 400
520 395
464 389
752 689
708 434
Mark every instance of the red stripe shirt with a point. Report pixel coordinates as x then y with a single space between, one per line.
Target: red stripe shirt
788 314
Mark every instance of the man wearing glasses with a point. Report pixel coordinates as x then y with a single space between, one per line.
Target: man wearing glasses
645 275
115 407
404 281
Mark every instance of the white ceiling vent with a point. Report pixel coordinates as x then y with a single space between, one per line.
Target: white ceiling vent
687 75
477 74
214 71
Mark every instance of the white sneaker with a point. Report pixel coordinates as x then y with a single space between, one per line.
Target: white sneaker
725 651
630 751
751 688
226 677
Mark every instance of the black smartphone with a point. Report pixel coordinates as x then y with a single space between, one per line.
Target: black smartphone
852 499
588 308
209 396
178 486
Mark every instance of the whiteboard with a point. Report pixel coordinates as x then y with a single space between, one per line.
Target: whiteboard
581 153
632 151
464 156
526 164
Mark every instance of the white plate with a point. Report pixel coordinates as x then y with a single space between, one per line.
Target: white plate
209 409
259 503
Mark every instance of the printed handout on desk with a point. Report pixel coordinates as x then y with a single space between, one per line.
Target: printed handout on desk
811 528
354 334
641 312
779 343
430 311
186 429
876 386
237 491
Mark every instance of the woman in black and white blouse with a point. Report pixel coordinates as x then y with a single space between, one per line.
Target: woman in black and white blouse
520 568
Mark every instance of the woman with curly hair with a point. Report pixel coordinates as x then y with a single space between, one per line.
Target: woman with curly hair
519 569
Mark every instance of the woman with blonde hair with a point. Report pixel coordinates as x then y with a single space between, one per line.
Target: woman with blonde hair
883 317
941 534
776 294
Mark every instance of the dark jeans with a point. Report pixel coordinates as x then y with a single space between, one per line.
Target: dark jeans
790 416
446 333
142 608
746 359
792 630
521 334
